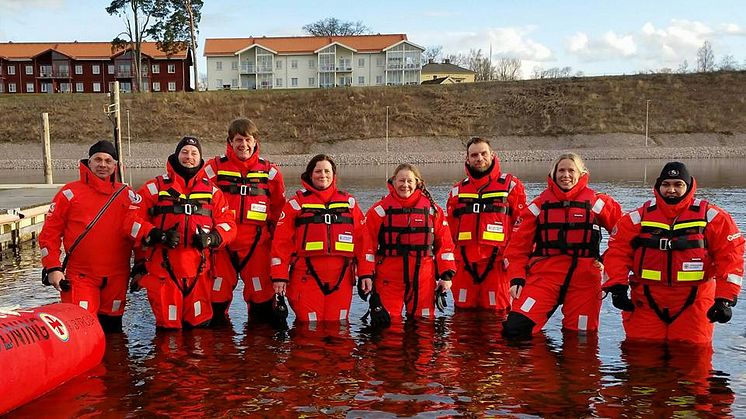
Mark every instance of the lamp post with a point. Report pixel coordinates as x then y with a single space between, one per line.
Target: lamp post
647 114
387 131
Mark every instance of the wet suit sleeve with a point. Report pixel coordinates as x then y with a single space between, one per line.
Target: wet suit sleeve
277 196
619 257
283 243
224 219
450 207
725 244
516 200
364 254
521 242
611 212
51 236
445 259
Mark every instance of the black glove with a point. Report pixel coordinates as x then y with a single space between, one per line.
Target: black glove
379 317
137 269
440 299
447 276
619 297
202 240
363 296
170 237
720 311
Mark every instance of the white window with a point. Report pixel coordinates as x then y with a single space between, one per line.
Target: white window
156 86
219 83
278 65
294 82
96 87
312 81
2 88
172 86
294 64
379 61
30 87
11 71
29 69
65 87
360 79
218 65
79 87
234 65
312 63
11 87
172 68
110 69
361 62
278 82
96 69
379 80
155 68
44 88
78 69
234 83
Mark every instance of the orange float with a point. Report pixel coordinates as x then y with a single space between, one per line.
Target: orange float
42 347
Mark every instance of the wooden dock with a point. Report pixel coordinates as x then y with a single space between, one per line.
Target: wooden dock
23 208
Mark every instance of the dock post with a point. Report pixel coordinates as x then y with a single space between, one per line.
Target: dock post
46 148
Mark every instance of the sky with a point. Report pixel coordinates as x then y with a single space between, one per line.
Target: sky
593 37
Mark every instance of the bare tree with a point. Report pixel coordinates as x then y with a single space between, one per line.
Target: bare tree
552 73
683 67
728 63
202 82
479 64
332 26
433 52
136 15
705 58
508 69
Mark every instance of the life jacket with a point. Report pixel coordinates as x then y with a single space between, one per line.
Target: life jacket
567 227
406 230
189 211
324 228
483 213
672 254
248 193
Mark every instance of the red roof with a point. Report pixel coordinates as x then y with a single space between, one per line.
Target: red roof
300 44
77 50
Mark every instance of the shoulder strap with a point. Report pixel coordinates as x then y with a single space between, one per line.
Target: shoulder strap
91 224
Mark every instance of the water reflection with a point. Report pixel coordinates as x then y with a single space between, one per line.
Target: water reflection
454 365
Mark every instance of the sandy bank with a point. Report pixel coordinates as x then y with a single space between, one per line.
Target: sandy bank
415 150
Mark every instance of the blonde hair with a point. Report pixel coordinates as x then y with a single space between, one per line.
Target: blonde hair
573 157
418 176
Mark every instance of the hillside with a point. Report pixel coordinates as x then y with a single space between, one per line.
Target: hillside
690 103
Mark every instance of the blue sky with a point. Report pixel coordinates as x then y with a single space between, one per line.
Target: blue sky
595 37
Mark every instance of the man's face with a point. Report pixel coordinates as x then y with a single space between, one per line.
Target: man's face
479 156
102 165
189 156
243 146
672 188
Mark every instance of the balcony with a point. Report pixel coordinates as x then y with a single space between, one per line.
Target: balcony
124 74
327 68
344 68
49 72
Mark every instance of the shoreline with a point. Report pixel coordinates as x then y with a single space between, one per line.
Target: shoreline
416 150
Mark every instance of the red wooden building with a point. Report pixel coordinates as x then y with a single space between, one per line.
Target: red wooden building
89 67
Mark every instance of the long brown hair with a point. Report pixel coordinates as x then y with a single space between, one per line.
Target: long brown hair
306 176
418 176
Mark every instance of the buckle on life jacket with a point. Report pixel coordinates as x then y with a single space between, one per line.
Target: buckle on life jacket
243 190
664 244
327 218
476 208
188 209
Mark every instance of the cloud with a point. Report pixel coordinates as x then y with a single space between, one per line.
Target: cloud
18 5
609 45
732 29
513 42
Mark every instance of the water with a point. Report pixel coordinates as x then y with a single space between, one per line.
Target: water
454 365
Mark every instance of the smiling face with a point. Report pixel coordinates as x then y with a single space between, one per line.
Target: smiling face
567 174
243 146
672 188
189 156
405 183
322 175
479 156
102 165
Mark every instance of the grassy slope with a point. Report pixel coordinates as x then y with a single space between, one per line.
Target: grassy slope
692 103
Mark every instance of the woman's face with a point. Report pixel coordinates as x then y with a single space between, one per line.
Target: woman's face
405 183
322 175
567 174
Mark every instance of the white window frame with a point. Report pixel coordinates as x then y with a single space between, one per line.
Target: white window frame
278 65
29 69
234 65
312 81
278 81
78 68
379 80
293 64
110 68
219 83
156 86
97 87
11 70
172 68
29 87
294 82
155 68
96 69
312 63
172 86
361 62
12 88
361 80
219 65
79 87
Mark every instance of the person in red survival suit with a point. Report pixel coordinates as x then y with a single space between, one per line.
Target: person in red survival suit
685 256
481 212
320 247
413 245
255 192
98 267
185 217
553 258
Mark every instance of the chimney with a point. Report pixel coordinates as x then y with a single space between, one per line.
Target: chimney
430 61
446 61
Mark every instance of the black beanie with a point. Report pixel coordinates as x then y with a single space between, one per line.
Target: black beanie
103 146
675 170
188 141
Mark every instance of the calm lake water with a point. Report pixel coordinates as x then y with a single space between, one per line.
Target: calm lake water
454 365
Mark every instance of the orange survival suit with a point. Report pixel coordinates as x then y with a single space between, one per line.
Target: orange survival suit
554 247
319 248
413 247
481 214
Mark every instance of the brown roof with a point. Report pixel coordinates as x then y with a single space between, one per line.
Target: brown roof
77 50
445 68
301 44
